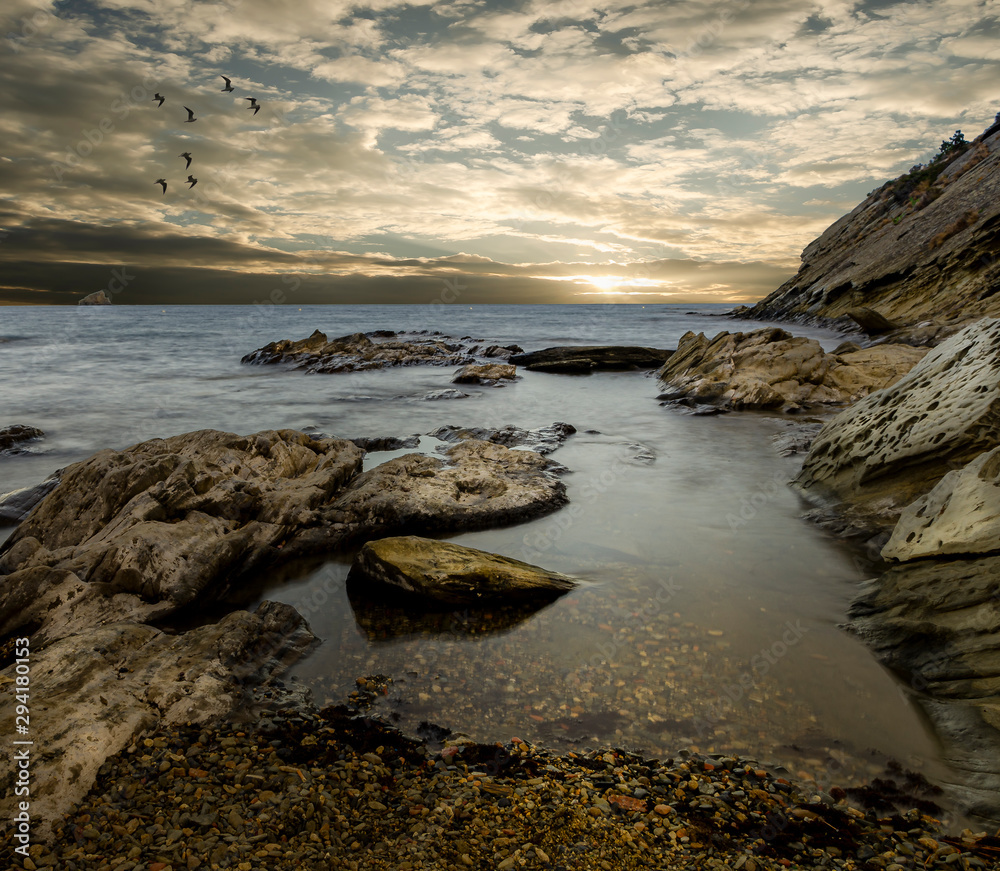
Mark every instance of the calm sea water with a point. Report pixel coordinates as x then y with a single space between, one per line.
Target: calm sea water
709 617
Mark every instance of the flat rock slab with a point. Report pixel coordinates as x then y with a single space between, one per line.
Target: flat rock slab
961 515
360 352
893 446
454 575
577 359
772 369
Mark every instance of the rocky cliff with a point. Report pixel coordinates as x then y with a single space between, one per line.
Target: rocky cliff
925 246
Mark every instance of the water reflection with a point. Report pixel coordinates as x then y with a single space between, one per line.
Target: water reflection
383 615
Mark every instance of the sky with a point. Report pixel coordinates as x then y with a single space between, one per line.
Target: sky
466 151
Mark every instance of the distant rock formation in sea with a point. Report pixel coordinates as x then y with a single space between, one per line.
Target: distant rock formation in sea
923 247
98 298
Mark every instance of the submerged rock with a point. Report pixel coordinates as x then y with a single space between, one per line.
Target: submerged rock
575 359
543 440
99 298
444 393
485 373
95 693
772 369
893 446
360 352
387 443
13 438
454 575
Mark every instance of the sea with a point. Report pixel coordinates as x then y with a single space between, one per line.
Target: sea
710 614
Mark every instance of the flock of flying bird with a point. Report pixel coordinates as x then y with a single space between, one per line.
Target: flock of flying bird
159 100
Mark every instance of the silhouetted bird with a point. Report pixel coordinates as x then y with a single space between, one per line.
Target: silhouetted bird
190 116
229 83
162 181
187 156
192 181
158 97
253 104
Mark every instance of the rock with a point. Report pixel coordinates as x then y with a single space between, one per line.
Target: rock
921 246
937 622
961 515
139 533
360 352
99 298
478 484
17 504
870 321
135 535
13 438
95 693
445 393
455 575
503 352
591 358
796 439
894 445
770 368
387 443
485 373
543 440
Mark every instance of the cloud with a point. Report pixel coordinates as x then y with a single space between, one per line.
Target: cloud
395 137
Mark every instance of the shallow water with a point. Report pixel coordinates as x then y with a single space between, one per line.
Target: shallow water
709 613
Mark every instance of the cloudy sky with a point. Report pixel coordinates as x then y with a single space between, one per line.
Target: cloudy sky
469 150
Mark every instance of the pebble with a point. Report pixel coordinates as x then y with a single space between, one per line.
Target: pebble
361 795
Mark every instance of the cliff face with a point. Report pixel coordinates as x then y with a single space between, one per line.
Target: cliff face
925 246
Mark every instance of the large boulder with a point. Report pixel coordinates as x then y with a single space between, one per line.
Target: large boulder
135 535
98 298
13 438
577 359
451 574
770 368
94 693
360 352
961 515
894 445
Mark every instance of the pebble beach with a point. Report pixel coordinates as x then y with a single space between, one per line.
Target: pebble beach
336 788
